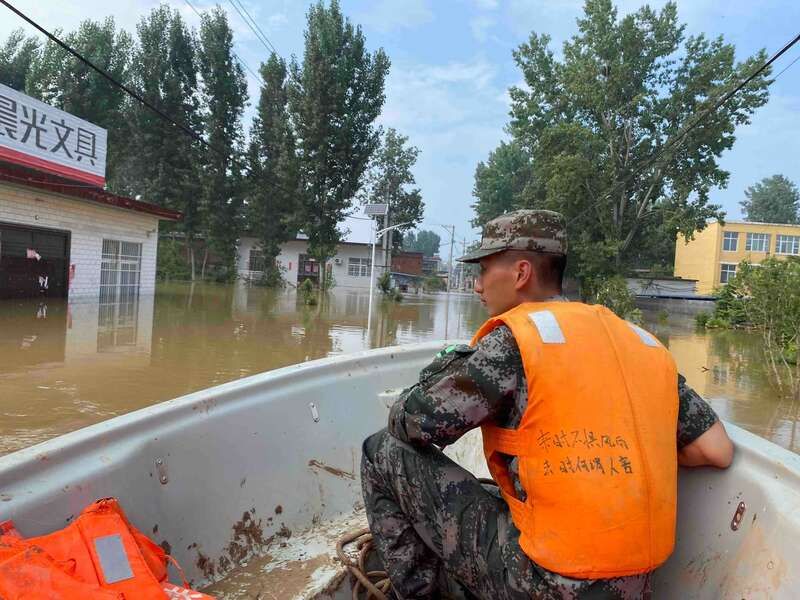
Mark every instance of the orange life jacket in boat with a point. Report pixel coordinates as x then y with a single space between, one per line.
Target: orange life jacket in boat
596 445
99 556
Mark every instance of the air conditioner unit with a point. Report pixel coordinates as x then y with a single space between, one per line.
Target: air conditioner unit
337 261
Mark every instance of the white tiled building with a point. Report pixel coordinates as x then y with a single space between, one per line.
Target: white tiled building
350 266
88 244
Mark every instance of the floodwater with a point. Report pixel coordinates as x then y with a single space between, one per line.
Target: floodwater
67 365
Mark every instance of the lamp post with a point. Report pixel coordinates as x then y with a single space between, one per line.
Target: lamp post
375 236
450 229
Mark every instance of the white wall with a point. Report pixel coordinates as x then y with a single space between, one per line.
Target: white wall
289 258
88 224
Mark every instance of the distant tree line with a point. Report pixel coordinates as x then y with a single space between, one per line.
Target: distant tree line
312 151
424 241
774 199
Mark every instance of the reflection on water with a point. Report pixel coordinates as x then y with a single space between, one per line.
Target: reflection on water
727 368
65 366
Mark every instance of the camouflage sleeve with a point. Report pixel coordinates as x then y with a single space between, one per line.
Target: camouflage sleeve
695 415
459 390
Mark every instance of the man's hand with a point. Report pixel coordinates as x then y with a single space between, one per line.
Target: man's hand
714 448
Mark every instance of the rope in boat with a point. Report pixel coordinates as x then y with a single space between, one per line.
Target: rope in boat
375 584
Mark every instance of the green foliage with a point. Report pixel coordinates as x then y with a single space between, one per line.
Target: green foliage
16 57
334 98
390 180
273 207
767 297
424 241
171 264
613 293
501 182
592 120
729 310
433 284
307 293
772 200
701 319
329 281
63 81
224 94
397 296
385 283
271 277
164 69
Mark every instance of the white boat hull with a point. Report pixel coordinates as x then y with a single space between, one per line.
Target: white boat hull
221 475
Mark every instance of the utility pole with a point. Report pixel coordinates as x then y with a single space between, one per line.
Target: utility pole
450 261
463 278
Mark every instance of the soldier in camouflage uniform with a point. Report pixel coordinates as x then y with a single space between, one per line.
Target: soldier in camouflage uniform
438 530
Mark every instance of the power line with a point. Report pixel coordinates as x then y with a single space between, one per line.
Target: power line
786 68
106 75
262 37
236 56
682 135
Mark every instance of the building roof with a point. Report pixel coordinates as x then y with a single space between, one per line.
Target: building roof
59 185
355 230
757 223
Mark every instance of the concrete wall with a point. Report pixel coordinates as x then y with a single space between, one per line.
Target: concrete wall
289 259
88 224
661 287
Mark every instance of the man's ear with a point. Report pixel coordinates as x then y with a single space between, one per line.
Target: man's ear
525 274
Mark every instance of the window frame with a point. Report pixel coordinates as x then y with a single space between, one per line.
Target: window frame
764 238
120 270
255 259
794 240
730 273
358 266
726 239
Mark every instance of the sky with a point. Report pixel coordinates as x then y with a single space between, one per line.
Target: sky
452 66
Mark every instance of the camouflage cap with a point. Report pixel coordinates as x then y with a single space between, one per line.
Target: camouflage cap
534 230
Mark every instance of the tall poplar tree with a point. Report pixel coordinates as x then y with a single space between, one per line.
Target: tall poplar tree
224 94
164 70
390 180
16 57
63 81
335 95
273 192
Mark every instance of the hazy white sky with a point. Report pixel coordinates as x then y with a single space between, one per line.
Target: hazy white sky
452 66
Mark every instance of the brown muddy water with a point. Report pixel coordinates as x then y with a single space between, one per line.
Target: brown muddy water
67 365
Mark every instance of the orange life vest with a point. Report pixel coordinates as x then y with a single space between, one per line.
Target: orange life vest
596 445
99 556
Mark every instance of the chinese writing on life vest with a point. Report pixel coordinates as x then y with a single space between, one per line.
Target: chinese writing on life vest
43 137
611 459
579 438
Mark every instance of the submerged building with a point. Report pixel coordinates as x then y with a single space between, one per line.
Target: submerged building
62 234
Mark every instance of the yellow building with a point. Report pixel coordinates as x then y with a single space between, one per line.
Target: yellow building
713 255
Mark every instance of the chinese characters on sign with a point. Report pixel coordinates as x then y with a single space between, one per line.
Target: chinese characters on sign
610 456
39 136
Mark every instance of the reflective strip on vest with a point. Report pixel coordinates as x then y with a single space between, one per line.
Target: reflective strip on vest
547 325
645 336
113 560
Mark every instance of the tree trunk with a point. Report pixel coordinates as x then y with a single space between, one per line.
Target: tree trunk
205 260
190 249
